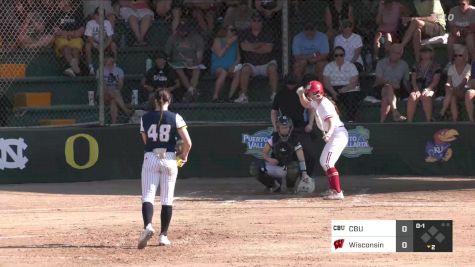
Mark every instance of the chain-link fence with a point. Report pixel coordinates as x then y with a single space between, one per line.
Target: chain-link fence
216 72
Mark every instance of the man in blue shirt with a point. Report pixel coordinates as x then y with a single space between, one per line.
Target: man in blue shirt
310 48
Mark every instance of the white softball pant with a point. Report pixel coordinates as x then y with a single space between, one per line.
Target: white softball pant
159 172
333 148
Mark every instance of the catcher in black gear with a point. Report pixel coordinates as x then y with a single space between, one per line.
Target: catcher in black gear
283 159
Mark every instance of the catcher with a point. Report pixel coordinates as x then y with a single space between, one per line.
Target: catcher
279 168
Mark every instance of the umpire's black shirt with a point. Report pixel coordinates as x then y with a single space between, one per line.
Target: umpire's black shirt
287 102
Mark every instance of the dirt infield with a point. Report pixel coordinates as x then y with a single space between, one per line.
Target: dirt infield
224 222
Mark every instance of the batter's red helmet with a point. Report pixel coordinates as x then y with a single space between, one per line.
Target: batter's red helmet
314 87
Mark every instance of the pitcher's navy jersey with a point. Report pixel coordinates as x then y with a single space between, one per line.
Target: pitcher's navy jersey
163 135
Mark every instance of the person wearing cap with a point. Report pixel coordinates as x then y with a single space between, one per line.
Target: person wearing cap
287 103
335 12
352 43
334 133
92 38
424 80
160 77
310 48
185 50
257 46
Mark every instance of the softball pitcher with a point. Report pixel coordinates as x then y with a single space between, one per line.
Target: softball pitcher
159 130
334 133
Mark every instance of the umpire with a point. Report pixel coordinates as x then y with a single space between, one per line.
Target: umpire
286 102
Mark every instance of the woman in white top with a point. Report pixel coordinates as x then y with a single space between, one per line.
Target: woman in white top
458 76
352 43
340 78
335 134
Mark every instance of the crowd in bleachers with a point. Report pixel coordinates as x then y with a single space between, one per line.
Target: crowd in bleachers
237 40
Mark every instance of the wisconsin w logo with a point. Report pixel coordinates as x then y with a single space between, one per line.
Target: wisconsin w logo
11 153
339 243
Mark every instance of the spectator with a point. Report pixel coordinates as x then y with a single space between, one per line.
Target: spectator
185 49
92 39
352 43
270 10
113 85
89 8
225 60
33 31
163 8
310 47
458 76
341 81
461 28
425 78
335 13
470 96
287 103
69 28
160 77
139 16
257 47
392 76
239 15
203 11
429 23
387 18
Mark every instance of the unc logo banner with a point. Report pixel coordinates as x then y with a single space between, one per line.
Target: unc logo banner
14 149
93 151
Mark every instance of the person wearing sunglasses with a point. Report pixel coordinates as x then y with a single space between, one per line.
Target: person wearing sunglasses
257 47
341 81
352 43
458 76
334 132
424 79
461 28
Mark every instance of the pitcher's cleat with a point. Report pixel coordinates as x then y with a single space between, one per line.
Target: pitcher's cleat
145 237
164 241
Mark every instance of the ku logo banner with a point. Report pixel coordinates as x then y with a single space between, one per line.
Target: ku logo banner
439 148
11 154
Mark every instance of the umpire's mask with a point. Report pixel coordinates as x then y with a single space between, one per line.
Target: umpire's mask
284 127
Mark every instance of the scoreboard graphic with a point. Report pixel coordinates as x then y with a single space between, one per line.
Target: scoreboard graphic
391 236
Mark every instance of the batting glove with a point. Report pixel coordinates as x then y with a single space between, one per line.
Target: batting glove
300 91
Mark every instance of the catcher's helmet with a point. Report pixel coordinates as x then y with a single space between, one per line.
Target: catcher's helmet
284 127
314 87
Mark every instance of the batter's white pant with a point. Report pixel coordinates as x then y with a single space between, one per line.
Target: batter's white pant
276 171
334 147
159 172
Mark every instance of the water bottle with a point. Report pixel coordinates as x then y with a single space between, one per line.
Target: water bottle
135 97
148 64
368 61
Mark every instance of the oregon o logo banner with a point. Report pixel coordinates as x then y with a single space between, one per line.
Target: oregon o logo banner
93 151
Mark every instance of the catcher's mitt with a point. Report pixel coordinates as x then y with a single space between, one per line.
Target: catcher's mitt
304 184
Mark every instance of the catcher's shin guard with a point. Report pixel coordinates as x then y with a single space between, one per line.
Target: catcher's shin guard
293 173
266 180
